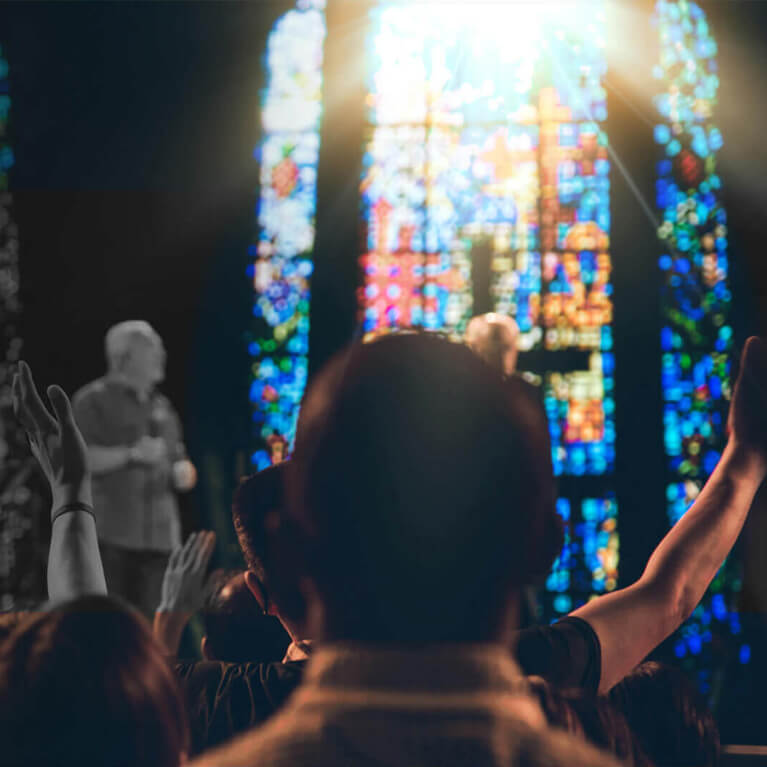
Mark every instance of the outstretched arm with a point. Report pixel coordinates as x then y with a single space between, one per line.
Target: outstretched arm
631 622
74 562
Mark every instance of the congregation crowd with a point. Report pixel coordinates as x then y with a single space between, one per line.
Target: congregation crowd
377 620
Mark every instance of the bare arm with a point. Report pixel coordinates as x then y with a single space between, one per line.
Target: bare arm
633 621
74 562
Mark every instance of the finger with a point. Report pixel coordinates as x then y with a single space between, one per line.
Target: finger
35 448
206 550
188 548
18 406
174 557
198 550
30 399
62 407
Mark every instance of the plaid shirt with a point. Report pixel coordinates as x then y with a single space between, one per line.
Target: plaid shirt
443 705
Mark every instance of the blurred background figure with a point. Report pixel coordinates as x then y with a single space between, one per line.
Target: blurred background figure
494 338
138 460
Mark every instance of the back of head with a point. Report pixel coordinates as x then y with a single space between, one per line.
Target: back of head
86 684
422 488
236 629
257 500
259 506
605 727
668 715
555 706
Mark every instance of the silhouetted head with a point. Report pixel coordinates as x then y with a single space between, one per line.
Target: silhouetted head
236 629
668 715
258 510
422 494
494 337
86 684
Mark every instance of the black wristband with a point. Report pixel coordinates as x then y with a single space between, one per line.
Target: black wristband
68 507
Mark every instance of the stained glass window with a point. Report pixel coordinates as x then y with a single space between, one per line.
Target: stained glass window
696 340
282 257
486 139
588 562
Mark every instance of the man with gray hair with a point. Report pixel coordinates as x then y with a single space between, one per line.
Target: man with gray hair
138 460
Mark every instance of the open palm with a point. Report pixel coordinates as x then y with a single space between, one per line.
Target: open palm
55 440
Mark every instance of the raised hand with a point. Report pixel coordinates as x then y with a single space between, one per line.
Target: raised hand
55 440
747 419
184 587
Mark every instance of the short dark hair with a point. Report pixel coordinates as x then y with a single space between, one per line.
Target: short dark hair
236 629
87 684
422 487
605 727
668 715
555 705
256 497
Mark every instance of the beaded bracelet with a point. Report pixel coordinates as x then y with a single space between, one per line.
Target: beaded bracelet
68 507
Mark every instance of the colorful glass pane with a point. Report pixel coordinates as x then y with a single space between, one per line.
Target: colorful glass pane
580 408
696 339
588 563
282 265
486 171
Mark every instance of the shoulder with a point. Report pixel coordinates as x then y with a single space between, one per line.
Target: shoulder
161 400
90 393
226 699
199 673
221 677
288 738
162 405
566 653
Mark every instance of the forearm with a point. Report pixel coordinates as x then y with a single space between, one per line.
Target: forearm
631 622
689 556
102 460
168 628
74 562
